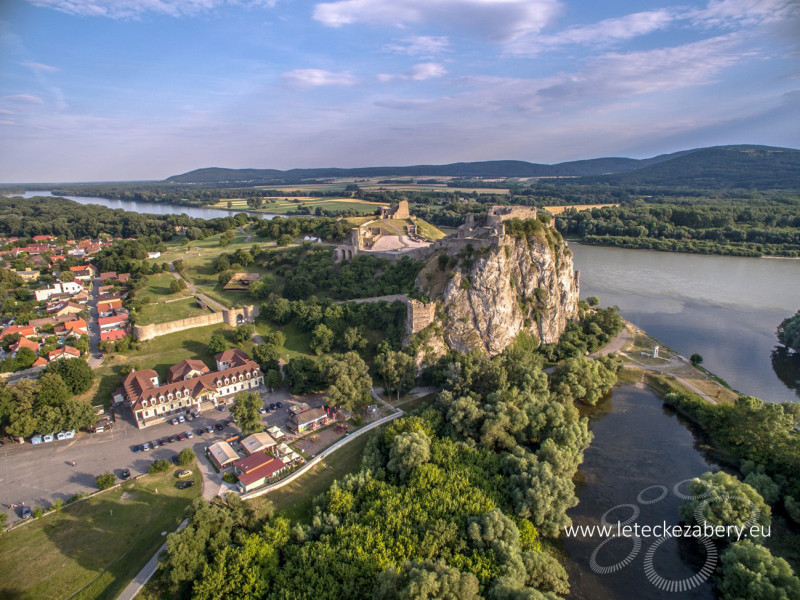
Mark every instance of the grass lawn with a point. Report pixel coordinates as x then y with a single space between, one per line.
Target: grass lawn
158 288
161 312
159 354
93 549
295 500
297 340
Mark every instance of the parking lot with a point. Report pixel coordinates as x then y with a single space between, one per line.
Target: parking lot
38 475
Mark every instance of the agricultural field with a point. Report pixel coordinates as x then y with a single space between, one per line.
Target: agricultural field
92 549
285 204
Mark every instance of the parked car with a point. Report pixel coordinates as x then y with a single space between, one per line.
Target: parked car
26 512
126 474
184 473
181 437
200 431
174 421
262 410
273 406
185 484
154 444
173 439
210 429
219 426
188 433
222 407
163 441
189 417
137 448
146 446
181 419
196 415
279 404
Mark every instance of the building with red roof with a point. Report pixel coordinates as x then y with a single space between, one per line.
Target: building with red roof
63 352
256 470
113 335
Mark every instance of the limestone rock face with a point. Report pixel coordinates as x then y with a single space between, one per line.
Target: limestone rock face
510 285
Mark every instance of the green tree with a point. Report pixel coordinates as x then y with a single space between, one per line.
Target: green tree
353 339
186 457
409 450
244 333
427 580
593 301
276 338
52 390
750 571
321 339
348 380
397 370
159 466
585 379
789 332
721 499
272 379
695 359
75 372
106 480
302 375
246 410
176 285
217 343
278 310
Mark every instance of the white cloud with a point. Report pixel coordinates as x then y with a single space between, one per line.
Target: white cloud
126 9
308 78
499 20
23 99
601 33
419 72
419 45
743 12
40 67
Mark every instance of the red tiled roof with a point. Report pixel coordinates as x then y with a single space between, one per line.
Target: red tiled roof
40 362
111 320
67 351
24 342
113 335
179 371
267 469
23 330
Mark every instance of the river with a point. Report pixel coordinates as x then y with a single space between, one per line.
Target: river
636 468
151 208
724 308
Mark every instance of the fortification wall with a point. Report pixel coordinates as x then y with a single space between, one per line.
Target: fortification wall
232 317
419 315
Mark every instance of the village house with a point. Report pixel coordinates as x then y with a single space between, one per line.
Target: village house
308 420
257 442
256 470
113 335
67 287
28 275
190 386
63 352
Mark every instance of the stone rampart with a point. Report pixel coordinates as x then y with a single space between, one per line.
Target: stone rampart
232 317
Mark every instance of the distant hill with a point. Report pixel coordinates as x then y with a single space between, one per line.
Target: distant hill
760 167
721 167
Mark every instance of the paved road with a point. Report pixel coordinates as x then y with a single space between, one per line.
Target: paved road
95 356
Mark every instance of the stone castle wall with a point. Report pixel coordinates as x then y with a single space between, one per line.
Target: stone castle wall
232 317
419 315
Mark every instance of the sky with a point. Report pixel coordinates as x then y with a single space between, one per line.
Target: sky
113 90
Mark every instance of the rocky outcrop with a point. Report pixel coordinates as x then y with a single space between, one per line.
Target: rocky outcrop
511 283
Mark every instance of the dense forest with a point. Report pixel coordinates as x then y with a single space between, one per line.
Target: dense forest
458 501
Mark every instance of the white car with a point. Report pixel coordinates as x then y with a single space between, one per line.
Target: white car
181 419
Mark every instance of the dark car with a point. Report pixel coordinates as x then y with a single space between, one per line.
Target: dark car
181 437
279 404
219 426
172 439
137 448
163 441
222 407
185 484
273 406
126 474
26 512
200 431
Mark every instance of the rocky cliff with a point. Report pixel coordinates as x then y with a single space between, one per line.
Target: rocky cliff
521 280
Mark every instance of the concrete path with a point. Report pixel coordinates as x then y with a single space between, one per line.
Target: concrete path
135 586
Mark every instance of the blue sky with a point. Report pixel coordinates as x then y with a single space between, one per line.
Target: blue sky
104 90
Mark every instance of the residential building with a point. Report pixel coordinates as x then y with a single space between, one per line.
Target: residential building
24 342
222 455
256 470
23 330
66 287
113 335
63 352
28 275
308 420
108 307
115 322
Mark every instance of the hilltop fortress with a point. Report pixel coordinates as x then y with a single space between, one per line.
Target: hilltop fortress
371 236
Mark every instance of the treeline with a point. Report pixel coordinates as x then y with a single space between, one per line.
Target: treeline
449 503
66 219
721 228
759 436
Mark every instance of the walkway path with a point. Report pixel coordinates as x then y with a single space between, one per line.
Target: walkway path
390 298
193 288
135 586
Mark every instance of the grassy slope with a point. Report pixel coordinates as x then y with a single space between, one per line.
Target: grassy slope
103 541
169 311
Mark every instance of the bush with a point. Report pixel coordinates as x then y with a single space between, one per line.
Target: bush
38 511
159 466
105 481
185 457
229 477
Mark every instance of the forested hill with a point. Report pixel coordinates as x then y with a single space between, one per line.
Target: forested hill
722 167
